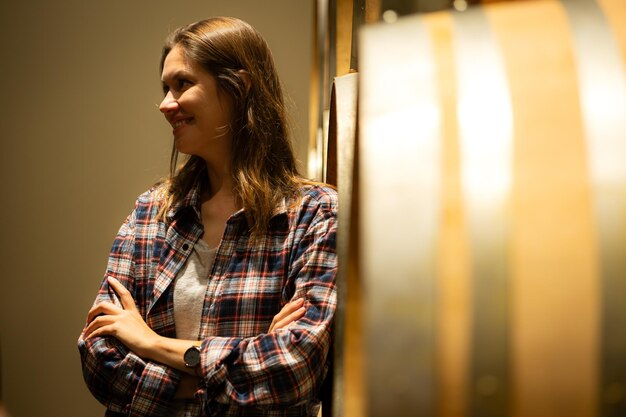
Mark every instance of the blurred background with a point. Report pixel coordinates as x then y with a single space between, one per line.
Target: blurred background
81 138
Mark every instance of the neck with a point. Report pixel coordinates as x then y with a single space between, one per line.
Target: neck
221 183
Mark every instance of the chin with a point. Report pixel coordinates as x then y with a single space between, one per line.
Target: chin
181 148
186 151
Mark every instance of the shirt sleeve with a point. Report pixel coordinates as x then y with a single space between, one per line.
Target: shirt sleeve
286 367
118 378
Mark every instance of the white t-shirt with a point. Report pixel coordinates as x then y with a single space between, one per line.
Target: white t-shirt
190 288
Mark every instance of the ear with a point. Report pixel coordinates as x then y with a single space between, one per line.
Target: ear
245 77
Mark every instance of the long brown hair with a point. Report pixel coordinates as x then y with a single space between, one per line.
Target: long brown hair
263 163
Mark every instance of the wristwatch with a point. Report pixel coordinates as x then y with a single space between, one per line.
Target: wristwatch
192 357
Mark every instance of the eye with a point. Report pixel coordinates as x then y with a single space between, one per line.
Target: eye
183 83
176 85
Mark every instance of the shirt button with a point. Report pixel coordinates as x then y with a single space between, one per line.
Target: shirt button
185 246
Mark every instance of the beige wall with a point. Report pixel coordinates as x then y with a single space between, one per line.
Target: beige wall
81 137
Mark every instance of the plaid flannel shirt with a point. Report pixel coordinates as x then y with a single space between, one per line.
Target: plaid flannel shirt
244 370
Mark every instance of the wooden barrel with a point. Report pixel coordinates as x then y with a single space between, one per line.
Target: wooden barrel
493 211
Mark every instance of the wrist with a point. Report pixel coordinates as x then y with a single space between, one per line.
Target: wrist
150 347
191 358
169 352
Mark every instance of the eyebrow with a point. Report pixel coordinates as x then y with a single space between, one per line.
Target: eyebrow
176 75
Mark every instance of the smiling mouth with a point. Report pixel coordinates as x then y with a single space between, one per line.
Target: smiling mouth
182 122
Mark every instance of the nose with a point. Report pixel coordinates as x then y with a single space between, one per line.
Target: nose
169 104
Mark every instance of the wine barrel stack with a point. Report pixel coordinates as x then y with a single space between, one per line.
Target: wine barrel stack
492 201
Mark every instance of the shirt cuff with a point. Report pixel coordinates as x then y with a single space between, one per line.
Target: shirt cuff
155 391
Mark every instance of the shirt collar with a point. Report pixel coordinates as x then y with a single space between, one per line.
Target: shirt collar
281 209
192 200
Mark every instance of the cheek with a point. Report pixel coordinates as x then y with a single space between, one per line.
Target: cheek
226 113
192 100
218 115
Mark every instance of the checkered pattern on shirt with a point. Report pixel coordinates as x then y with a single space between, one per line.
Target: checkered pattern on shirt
245 371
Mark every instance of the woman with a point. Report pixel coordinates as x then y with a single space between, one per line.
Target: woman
219 293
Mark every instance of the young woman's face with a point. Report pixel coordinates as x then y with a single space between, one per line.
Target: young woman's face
199 114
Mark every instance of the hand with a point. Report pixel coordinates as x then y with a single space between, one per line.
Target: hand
288 314
125 324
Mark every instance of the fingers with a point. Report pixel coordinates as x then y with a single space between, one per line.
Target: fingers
288 314
288 309
296 315
99 326
104 308
128 302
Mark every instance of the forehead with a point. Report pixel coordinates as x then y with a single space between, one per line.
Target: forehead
176 62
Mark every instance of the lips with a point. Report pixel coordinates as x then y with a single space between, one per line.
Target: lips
179 122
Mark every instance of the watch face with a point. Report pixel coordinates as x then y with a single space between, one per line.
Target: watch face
192 357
